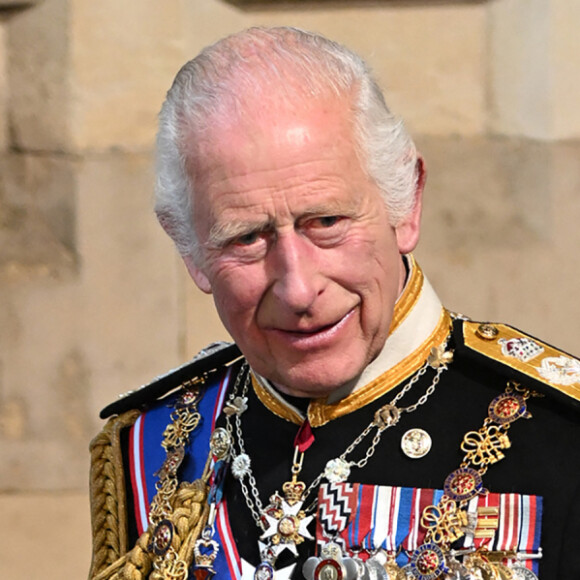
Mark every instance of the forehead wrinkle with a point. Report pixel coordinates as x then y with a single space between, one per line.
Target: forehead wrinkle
346 206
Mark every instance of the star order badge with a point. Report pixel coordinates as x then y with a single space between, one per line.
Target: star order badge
287 526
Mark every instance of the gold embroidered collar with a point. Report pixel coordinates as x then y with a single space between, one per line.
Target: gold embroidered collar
419 323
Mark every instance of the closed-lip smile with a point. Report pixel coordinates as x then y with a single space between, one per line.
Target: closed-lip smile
314 336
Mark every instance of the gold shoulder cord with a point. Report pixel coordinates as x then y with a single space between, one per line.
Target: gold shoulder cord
180 507
107 493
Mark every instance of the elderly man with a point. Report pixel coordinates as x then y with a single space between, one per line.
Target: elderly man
356 429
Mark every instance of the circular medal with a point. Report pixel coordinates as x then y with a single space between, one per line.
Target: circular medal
377 572
522 573
264 571
328 570
427 562
463 483
507 407
416 443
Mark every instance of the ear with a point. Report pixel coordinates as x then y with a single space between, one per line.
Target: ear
197 275
407 230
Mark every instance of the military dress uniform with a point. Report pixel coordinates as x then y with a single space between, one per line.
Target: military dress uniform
455 455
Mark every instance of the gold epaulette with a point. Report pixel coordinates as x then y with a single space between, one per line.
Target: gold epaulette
526 355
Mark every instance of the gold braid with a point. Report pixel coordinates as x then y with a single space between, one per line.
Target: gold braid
107 492
189 518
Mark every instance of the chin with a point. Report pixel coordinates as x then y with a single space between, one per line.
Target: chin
314 382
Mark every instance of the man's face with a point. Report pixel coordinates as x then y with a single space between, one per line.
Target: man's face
299 254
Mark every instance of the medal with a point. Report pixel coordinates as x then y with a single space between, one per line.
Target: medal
287 526
331 565
427 562
523 573
264 571
286 523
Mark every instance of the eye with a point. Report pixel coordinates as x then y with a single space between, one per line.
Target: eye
323 222
247 239
328 221
248 247
326 230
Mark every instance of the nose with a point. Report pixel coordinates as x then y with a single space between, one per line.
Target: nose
297 280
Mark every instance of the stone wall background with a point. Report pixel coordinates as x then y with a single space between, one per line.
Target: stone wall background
93 298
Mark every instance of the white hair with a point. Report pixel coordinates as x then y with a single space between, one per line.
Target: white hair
243 68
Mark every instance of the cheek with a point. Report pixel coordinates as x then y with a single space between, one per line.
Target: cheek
376 267
237 293
367 262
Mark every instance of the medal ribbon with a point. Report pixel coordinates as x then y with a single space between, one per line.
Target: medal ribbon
374 516
520 525
305 437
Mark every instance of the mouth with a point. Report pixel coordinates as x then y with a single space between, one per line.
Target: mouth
315 336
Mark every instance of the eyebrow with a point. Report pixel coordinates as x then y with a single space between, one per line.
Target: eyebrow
221 233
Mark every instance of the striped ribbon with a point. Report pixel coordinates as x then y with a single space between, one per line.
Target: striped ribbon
365 518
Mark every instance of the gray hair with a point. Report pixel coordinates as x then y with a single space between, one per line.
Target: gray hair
243 67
